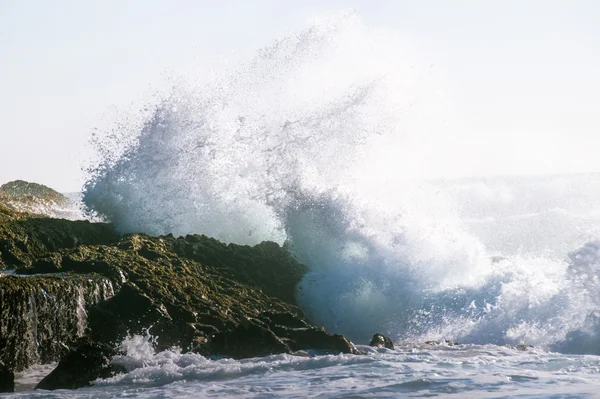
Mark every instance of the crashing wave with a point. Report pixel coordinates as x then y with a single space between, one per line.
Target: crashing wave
309 143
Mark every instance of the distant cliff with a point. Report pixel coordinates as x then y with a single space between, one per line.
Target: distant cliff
38 199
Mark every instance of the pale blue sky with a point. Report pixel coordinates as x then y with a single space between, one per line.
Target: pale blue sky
524 74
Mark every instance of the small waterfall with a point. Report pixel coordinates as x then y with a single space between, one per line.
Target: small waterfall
81 313
40 316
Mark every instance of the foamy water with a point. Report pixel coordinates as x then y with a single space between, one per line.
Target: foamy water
465 371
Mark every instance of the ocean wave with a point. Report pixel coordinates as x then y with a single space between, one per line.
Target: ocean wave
308 144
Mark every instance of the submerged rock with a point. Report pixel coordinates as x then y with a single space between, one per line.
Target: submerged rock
81 366
381 341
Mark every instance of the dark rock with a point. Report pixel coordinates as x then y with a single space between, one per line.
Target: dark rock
381 341
21 188
266 266
249 340
283 319
42 316
7 379
80 367
319 339
194 292
131 311
25 237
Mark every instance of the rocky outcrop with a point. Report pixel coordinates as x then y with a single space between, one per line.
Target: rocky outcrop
86 363
37 199
20 193
381 341
42 316
260 266
185 302
192 292
25 237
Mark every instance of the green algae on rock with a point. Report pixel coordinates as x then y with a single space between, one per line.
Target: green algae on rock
20 189
25 236
24 196
42 316
81 288
182 299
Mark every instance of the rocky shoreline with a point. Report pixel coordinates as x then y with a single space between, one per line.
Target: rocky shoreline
79 288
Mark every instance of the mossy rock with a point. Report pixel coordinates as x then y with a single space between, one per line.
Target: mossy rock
20 189
193 292
23 196
82 365
42 316
25 237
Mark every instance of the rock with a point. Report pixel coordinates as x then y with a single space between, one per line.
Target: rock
20 188
266 266
20 193
288 320
7 379
80 367
381 341
131 311
36 199
319 339
193 292
42 316
178 297
25 237
250 340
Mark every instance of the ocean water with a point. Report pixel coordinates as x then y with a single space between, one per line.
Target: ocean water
311 143
539 235
411 370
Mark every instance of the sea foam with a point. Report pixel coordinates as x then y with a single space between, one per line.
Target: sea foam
309 144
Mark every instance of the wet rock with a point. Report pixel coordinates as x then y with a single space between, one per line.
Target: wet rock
25 237
193 292
266 266
80 367
381 341
7 379
319 339
249 340
131 311
288 320
42 316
